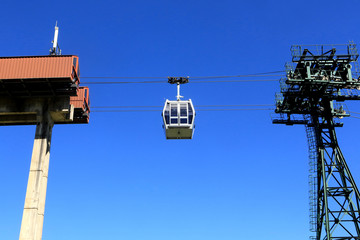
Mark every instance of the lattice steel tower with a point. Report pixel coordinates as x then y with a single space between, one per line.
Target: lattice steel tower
319 77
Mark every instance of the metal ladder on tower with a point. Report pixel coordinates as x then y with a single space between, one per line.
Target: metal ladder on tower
310 133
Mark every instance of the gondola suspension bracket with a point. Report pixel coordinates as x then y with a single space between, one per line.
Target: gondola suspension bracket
178 81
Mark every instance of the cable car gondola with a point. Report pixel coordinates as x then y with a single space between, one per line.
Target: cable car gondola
178 115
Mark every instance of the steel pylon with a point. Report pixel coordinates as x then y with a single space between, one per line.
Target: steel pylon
337 209
308 96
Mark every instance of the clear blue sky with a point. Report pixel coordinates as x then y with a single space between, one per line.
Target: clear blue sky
118 178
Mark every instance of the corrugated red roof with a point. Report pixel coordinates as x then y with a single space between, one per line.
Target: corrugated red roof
38 67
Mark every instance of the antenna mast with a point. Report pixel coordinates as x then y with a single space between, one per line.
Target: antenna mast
55 50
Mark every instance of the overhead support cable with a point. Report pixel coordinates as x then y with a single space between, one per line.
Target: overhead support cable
198 81
123 82
238 109
265 74
238 81
193 79
158 110
354 112
237 105
199 77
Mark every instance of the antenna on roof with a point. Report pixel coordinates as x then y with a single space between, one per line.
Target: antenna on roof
55 50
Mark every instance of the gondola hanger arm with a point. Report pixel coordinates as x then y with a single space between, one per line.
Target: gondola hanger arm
178 81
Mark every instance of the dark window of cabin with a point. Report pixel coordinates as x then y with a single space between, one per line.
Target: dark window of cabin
191 113
174 120
167 117
183 120
174 110
183 110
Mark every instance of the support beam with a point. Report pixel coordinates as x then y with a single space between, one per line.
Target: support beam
33 214
25 111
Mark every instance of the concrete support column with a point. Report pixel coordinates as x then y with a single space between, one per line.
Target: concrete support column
33 214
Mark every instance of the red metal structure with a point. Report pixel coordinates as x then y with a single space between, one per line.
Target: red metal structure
53 75
34 80
81 104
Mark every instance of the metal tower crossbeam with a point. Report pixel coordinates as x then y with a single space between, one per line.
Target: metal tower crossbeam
323 75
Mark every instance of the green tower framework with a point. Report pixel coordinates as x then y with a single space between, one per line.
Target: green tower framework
318 80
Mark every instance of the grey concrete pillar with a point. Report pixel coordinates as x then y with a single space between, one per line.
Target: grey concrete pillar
33 214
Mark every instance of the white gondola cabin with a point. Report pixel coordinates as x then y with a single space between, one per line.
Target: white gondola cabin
178 119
